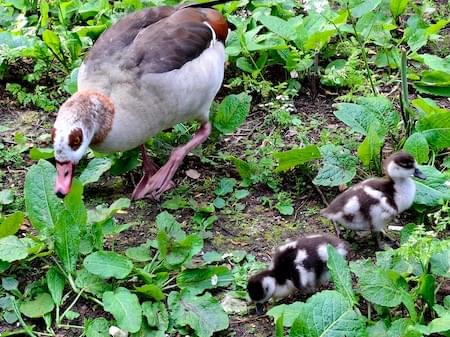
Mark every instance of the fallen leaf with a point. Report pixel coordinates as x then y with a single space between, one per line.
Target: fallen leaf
194 174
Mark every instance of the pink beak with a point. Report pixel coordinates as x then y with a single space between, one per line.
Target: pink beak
64 175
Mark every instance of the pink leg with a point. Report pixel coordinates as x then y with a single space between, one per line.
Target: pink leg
162 180
149 168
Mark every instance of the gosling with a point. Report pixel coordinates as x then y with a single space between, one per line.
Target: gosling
372 203
296 265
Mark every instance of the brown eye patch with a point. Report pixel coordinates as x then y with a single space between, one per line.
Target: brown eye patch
75 138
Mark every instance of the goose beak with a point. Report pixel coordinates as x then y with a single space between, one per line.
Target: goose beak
64 176
259 309
419 174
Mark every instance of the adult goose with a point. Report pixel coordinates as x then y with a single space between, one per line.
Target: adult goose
149 71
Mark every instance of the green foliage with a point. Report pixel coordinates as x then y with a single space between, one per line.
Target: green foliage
231 112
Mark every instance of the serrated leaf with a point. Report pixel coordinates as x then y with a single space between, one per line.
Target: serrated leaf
55 284
11 224
202 313
108 264
292 158
338 167
340 274
38 307
12 249
200 279
231 112
417 146
125 308
94 170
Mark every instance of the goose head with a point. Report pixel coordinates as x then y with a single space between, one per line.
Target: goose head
261 287
83 119
402 165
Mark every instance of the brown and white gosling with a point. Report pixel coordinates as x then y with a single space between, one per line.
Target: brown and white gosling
372 203
296 265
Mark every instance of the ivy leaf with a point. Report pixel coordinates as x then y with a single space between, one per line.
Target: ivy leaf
108 264
125 308
94 170
295 157
38 307
202 313
200 279
231 112
340 274
417 146
339 166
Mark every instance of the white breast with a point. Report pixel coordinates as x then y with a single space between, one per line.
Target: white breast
147 104
405 192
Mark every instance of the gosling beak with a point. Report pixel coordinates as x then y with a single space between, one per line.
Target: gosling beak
419 174
64 176
259 309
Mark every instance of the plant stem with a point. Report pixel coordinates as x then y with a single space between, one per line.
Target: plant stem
70 306
404 96
70 326
27 329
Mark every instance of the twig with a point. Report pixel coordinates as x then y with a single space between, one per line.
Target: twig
322 196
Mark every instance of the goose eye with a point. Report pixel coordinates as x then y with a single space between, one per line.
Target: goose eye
75 139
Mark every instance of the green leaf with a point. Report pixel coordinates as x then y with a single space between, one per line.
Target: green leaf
427 287
125 308
157 316
231 112
6 197
108 264
12 249
440 264
371 283
38 307
167 223
41 153
279 26
433 191
152 291
200 279
279 328
292 158
52 41
91 283
417 146
11 224
436 129
181 252
226 186
364 8
241 194
338 167
369 150
55 284
397 7
329 313
102 214
9 283
140 253
436 63
340 274
219 203
94 170
42 204
202 313
97 328
67 241
290 312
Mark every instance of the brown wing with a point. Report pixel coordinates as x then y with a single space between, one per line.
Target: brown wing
160 40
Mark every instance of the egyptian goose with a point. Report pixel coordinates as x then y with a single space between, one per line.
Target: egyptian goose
150 70
296 265
371 204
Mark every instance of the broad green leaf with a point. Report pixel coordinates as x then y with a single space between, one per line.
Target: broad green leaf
202 313
279 328
41 153
156 315
181 252
383 109
440 264
427 287
329 314
399 328
317 40
417 146
433 191
91 283
417 40
94 170
338 167
436 62
151 291
93 31
436 129
289 312
364 7
292 158
125 308
101 214
371 283
11 224
200 279
355 116
53 42
108 264
67 241
226 186
9 283
397 7
6 197
12 249
38 307
231 112
43 206
340 274
369 150
55 284
73 203
279 26
140 253
167 223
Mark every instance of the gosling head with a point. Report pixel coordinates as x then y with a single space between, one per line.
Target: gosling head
402 165
261 288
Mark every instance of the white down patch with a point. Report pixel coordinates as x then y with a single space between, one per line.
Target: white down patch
322 252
